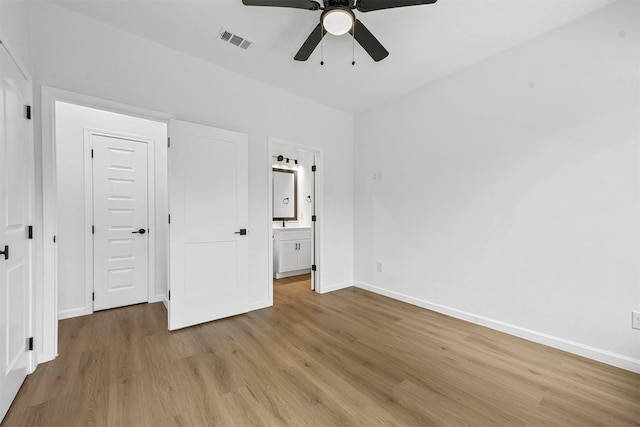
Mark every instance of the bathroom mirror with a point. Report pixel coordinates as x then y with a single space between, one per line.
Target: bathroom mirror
285 190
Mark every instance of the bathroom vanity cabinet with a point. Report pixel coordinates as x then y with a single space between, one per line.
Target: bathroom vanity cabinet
291 251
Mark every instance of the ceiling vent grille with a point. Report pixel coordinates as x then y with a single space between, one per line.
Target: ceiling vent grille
234 39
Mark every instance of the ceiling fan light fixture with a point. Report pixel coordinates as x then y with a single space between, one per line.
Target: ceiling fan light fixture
338 21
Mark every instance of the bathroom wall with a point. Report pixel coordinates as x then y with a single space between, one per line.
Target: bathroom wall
305 182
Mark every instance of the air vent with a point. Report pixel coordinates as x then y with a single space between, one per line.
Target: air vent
235 39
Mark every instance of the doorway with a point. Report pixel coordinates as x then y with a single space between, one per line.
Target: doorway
294 214
109 196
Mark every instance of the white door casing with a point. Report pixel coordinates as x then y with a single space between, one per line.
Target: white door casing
208 204
16 207
120 219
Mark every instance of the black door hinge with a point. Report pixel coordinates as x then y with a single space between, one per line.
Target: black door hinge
168 142
30 344
313 267
92 153
169 218
27 112
54 238
93 229
314 168
93 296
169 295
313 218
30 232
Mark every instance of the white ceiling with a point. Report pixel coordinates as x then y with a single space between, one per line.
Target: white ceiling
425 42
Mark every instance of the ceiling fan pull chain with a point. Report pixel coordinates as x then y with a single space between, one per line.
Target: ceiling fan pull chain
353 47
322 45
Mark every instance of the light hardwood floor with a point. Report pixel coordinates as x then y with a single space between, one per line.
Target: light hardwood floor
346 358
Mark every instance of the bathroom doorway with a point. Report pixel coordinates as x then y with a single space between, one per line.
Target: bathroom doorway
294 215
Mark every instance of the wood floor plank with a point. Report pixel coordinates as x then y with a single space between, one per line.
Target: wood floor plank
350 357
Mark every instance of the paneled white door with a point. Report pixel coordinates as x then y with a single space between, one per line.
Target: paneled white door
16 184
208 203
120 218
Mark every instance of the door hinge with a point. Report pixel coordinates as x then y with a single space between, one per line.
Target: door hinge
54 238
27 112
30 232
30 344
168 142
169 295
313 267
314 168
313 218
169 218
92 153
93 229
93 296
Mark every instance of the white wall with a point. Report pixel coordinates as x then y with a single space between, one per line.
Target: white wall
76 53
14 30
74 292
510 190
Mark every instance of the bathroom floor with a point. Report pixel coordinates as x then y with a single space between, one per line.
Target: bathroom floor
302 280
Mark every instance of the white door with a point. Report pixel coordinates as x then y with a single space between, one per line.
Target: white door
120 218
208 204
16 178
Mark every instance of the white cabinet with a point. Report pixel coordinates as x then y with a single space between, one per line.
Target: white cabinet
291 251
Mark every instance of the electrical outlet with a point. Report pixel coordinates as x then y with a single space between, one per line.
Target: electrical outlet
635 319
379 267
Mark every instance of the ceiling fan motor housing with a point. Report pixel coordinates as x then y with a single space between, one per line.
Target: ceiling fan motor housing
338 20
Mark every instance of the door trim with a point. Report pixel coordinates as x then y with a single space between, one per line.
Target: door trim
88 213
46 284
317 239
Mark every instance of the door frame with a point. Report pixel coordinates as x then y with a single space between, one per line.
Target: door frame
316 278
45 231
89 239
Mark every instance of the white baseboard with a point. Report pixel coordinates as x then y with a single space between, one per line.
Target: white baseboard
334 287
73 312
604 356
292 273
157 298
165 301
259 305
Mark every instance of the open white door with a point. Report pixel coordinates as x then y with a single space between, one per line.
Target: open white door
16 184
208 203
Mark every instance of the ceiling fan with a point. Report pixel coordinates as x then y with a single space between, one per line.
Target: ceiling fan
338 18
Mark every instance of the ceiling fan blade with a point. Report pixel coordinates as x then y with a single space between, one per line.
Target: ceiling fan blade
369 42
371 5
310 44
298 4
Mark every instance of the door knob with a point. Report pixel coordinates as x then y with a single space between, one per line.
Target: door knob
242 232
141 231
5 252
